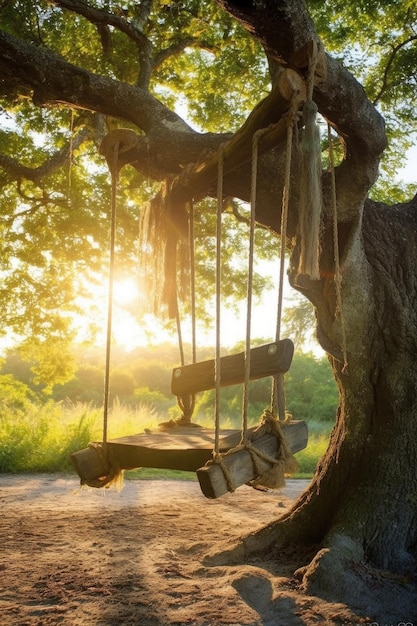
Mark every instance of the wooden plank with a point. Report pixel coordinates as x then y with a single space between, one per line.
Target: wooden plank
266 360
181 448
240 465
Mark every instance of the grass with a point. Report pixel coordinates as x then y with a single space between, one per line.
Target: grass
41 438
309 457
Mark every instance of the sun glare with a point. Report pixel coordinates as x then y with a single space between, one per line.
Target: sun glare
125 291
131 328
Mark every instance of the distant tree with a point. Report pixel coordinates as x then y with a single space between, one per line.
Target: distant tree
122 384
14 394
153 375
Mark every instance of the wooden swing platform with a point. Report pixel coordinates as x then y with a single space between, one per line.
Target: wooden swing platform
187 449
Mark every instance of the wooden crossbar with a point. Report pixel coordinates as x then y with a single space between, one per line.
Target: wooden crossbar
266 360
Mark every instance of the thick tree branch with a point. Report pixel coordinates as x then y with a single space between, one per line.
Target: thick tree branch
149 59
52 80
16 171
169 143
100 16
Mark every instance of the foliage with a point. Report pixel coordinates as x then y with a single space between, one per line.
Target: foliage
310 456
41 437
55 216
15 393
311 390
299 321
377 42
136 379
55 211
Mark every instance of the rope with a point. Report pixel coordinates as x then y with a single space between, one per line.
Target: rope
192 283
254 175
277 390
311 196
217 361
311 70
186 403
179 330
283 464
338 273
112 474
285 460
71 157
114 171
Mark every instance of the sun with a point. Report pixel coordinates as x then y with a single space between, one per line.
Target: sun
130 327
125 292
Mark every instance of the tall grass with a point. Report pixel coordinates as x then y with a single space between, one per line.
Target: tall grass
41 438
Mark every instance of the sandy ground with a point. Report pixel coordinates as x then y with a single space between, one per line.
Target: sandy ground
137 557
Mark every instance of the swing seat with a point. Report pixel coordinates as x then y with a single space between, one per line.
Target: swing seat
266 360
182 448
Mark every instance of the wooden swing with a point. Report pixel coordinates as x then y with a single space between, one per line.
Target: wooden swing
223 459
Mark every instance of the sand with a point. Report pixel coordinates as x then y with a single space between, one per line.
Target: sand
79 556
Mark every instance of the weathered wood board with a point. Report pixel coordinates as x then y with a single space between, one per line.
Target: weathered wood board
266 360
240 465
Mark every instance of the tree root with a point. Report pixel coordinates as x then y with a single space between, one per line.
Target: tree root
339 573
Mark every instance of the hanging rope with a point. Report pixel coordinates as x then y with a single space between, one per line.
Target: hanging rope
284 462
192 283
254 180
337 270
71 158
277 390
187 403
114 171
217 361
112 475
